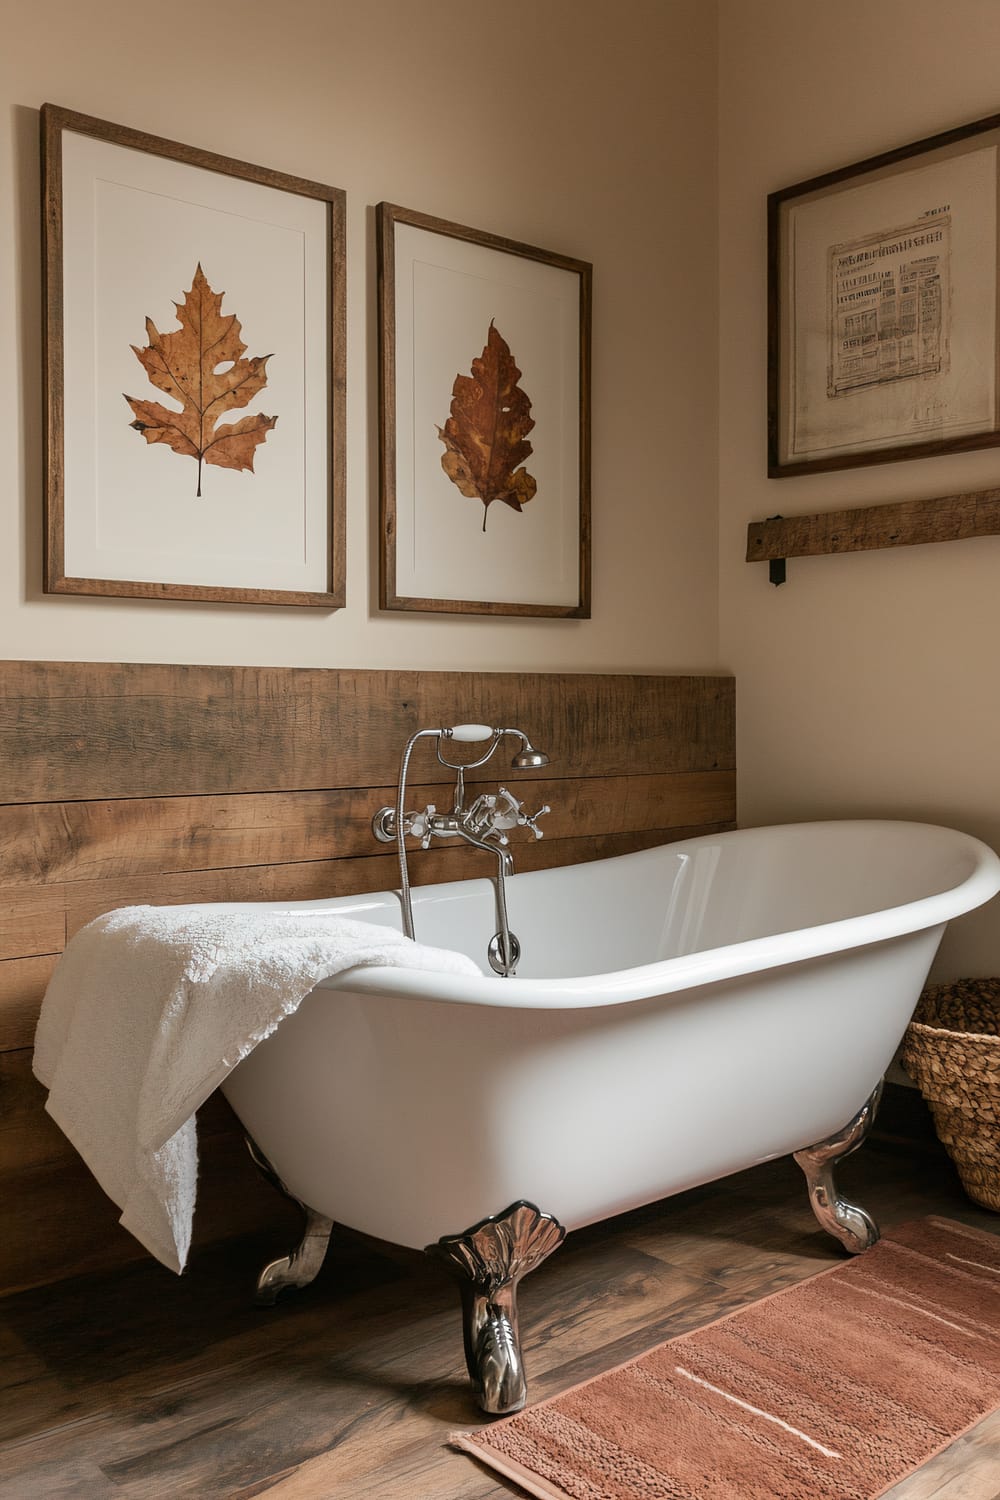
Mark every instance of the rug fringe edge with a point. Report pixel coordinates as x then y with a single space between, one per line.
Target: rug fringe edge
509 1468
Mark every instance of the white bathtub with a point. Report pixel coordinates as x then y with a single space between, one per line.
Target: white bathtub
678 1014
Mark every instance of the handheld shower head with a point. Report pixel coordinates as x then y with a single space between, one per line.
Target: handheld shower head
528 758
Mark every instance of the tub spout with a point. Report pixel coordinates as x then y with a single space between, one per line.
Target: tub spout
482 825
489 1260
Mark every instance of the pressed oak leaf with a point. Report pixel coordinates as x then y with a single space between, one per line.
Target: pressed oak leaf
185 365
485 437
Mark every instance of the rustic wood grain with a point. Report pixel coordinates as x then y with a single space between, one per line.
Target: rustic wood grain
59 1224
130 1381
47 842
29 1138
97 730
22 985
905 523
308 881
30 922
38 1163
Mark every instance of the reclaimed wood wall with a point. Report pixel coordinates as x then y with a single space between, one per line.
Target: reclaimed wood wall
129 783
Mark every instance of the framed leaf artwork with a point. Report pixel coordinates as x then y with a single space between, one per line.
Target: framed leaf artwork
484 422
194 318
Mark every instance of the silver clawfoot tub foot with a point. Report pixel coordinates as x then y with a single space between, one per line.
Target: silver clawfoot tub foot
489 1260
301 1265
852 1226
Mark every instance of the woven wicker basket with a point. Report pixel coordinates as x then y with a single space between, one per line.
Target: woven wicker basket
952 1050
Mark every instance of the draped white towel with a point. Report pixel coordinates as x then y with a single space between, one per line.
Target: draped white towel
149 1009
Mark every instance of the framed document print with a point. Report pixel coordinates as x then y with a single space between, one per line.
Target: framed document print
883 307
194 372
484 403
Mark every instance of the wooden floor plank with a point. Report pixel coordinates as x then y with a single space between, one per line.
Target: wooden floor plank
141 1385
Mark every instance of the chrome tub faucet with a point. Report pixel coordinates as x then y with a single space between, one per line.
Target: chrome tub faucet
484 824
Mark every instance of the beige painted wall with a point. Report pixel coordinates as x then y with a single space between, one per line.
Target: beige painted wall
584 126
869 683
866 685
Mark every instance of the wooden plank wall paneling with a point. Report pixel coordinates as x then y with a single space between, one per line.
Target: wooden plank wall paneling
128 783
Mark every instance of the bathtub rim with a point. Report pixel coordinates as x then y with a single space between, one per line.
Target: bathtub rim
729 961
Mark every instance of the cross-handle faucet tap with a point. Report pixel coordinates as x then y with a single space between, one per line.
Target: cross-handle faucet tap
493 813
483 825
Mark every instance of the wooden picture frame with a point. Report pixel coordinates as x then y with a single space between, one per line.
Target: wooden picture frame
883 307
232 489
482 340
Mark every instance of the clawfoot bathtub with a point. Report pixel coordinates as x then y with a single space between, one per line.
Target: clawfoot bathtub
678 1014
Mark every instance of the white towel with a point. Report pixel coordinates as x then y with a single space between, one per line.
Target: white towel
149 1009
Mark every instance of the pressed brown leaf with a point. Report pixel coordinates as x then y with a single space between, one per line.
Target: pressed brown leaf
185 365
485 437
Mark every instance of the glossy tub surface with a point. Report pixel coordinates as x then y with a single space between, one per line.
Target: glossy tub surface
678 1014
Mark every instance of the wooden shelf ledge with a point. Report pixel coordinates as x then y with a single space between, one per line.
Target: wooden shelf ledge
905 523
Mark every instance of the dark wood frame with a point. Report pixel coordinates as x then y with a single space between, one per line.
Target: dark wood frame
55 120
388 215
883 163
